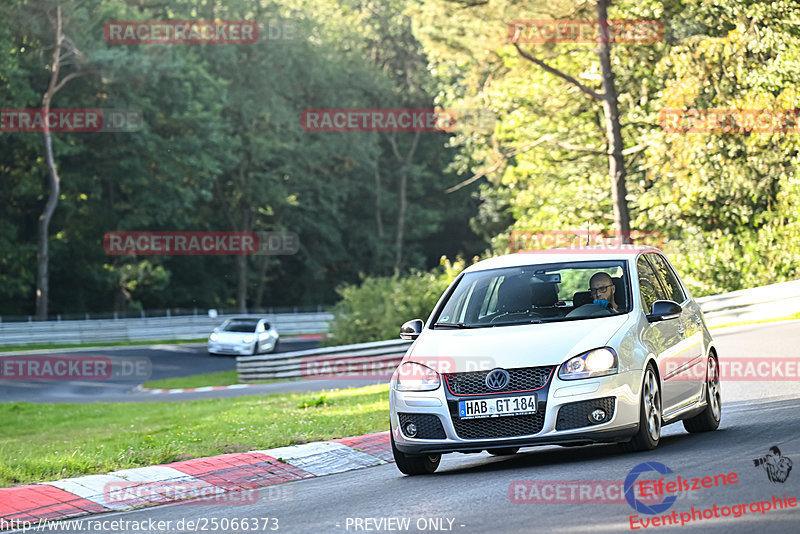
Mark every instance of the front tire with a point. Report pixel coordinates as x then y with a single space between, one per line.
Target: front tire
255 349
708 419
415 464
649 433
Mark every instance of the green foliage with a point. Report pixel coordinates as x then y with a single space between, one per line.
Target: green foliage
221 149
726 204
375 310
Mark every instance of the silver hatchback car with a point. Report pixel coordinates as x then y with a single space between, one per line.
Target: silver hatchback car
561 346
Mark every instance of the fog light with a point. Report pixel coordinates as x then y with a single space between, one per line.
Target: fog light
411 430
598 416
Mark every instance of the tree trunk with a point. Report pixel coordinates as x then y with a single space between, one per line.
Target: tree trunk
401 218
616 160
405 162
262 282
378 218
43 256
241 291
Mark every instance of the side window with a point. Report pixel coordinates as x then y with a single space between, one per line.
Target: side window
667 277
648 284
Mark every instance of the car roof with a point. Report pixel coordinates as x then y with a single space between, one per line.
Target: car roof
551 255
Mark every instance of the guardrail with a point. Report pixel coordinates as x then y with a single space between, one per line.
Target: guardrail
764 302
377 359
148 329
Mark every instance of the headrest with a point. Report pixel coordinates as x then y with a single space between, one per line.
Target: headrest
582 297
620 295
544 294
514 294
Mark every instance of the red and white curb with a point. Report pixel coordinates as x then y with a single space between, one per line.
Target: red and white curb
184 481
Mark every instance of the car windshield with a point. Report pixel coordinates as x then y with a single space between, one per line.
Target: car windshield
240 326
536 294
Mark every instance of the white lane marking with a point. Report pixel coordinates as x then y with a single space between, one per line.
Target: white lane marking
323 457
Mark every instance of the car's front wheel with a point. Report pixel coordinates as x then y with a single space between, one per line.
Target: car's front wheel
415 464
709 418
649 433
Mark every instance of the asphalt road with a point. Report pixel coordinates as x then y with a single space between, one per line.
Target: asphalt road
135 365
470 493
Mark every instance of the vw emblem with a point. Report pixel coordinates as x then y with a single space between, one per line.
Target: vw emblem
497 379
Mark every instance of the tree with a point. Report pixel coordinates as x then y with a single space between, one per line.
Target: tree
72 56
471 38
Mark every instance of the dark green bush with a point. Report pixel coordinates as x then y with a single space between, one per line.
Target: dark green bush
375 310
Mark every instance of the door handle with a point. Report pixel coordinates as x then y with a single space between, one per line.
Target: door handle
697 319
682 331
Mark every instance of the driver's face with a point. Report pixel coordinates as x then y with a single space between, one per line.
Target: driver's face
602 289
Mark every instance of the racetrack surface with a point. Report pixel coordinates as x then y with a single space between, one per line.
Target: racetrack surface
165 361
470 493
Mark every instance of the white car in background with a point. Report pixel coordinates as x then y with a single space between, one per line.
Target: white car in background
243 336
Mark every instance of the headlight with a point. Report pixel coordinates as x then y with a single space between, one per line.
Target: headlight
213 337
412 376
248 339
597 362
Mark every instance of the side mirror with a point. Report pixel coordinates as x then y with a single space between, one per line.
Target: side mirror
411 329
664 310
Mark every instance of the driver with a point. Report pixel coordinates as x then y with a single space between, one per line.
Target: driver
602 289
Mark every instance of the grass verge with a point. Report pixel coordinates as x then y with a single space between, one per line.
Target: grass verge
40 442
221 378
46 346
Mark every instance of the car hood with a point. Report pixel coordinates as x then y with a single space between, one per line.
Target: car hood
233 337
477 349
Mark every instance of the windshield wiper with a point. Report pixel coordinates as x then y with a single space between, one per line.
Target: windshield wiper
454 325
527 321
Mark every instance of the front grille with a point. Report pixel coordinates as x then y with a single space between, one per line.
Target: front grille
520 379
498 427
577 414
429 426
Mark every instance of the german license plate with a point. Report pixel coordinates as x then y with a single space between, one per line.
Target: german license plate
497 407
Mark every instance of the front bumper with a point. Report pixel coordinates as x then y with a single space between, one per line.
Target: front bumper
550 425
